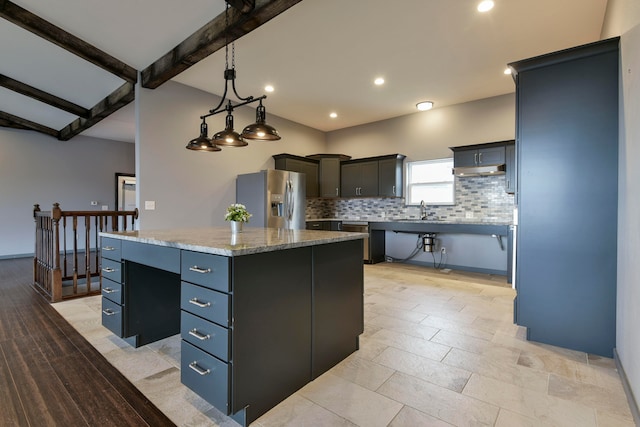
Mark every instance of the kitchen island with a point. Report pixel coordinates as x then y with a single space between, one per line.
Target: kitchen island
261 313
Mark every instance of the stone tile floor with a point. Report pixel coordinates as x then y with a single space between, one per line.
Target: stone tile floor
438 350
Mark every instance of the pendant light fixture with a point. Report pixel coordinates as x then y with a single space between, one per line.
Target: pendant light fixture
259 131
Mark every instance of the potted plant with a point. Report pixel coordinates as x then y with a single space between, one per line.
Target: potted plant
237 213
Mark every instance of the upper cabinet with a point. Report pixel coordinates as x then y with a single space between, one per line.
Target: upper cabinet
479 155
309 167
359 178
373 177
329 173
390 173
510 161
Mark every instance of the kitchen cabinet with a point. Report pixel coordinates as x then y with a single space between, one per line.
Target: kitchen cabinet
244 347
329 173
567 156
373 176
479 155
510 165
309 167
324 225
359 178
390 173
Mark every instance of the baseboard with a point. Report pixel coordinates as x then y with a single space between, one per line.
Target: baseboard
633 403
14 256
459 267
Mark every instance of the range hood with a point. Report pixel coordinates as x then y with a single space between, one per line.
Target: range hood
485 170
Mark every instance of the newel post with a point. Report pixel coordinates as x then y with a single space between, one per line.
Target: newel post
38 243
56 278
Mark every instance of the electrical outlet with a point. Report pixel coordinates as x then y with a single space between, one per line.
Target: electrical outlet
443 250
468 214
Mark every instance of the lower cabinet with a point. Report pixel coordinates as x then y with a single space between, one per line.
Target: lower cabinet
254 328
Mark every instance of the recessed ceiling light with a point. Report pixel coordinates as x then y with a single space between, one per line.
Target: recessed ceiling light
424 105
268 88
378 81
333 115
485 6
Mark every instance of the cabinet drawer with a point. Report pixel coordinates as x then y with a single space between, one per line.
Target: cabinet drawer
112 290
112 316
209 304
161 257
111 270
206 375
208 336
111 248
207 270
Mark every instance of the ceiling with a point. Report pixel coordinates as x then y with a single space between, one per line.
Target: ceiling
320 55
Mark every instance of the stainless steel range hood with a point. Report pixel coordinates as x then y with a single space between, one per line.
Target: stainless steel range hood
485 170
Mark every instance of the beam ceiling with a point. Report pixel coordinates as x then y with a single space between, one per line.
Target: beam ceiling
208 39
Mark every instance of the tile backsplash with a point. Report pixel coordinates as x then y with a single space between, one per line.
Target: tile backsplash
478 199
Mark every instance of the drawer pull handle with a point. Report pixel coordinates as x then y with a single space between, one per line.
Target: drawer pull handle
108 269
200 270
195 301
109 312
108 248
202 337
194 365
109 290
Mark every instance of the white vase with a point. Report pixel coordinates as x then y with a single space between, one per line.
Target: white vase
236 226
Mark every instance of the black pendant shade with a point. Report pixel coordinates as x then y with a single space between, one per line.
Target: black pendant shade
202 143
228 137
260 130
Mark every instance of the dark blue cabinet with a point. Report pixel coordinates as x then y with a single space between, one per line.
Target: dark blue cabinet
567 156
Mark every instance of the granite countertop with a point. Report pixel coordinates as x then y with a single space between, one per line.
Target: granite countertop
220 240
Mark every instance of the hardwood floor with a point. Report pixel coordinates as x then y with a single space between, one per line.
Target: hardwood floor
49 374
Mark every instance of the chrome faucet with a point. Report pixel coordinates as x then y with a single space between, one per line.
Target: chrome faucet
423 210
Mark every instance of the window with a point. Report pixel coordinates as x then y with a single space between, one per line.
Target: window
431 181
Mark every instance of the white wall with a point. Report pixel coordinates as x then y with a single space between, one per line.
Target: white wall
36 168
429 134
623 18
193 189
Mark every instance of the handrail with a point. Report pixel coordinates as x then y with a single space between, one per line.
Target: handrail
58 276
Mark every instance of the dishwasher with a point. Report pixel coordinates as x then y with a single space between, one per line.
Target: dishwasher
359 227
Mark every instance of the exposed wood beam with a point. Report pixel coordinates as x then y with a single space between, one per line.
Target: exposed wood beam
209 39
42 96
244 6
11 121
116 100
27 20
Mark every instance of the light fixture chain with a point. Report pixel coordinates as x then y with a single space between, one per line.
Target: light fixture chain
233 55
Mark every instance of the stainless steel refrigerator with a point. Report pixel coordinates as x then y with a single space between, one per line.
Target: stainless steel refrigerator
274 198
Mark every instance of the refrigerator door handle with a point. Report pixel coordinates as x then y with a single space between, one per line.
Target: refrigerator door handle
290 201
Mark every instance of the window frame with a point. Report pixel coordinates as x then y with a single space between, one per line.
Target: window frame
409 184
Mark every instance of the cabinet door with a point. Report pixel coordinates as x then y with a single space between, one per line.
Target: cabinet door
491 156
350 180
310 170
390 178
510 175
330 177
465 158
369 179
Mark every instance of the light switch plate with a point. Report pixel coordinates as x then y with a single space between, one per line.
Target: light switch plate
149 205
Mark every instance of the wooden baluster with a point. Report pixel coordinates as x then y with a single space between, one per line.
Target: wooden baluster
65 273
87 251
56 281
75 253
